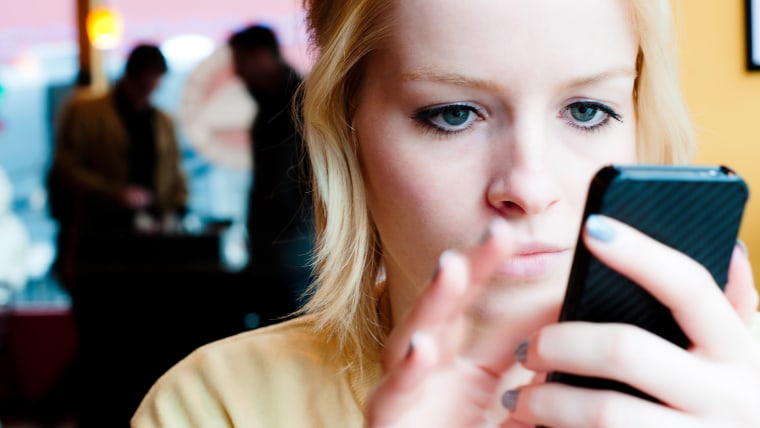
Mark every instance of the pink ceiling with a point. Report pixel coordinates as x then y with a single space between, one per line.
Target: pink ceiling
30 22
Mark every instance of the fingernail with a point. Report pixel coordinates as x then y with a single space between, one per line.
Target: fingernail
509 399
742 247
599 228
441 262
436 272
486 235
410 350
521 353
496 227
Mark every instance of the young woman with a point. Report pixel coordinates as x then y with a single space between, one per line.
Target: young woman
452 144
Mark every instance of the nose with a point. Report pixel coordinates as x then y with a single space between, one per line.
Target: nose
525 181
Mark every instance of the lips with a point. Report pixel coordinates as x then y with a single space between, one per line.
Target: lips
533 261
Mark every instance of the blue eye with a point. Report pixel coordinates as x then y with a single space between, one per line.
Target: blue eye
451 118
456 117
584 112
589 115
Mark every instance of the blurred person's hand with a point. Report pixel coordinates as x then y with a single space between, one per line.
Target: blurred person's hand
145 223
137 197
171 223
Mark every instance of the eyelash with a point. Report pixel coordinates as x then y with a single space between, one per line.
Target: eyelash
599 107
424 117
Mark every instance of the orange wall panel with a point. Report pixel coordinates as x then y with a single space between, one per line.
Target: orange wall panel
723 97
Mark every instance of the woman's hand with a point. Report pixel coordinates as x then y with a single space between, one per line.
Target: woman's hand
435 373
715 383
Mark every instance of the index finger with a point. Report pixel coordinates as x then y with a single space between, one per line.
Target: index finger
440 308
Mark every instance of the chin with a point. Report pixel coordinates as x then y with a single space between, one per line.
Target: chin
520 298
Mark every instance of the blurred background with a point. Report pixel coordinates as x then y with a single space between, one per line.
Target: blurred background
39 62
176 294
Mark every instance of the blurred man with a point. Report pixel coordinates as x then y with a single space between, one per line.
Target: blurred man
279 211
116 161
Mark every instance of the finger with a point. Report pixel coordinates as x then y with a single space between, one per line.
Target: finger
562 406
498 333
627 354
487 258
740 288
496 353
515 424
439 305
442 306
677 281
402 386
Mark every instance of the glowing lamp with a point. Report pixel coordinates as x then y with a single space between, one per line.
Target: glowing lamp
104 28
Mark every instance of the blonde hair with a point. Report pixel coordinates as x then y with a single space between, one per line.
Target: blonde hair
664 130
348 258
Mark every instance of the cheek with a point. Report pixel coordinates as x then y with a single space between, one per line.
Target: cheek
401 204
420 204
406 176
626 153
580 165
403 189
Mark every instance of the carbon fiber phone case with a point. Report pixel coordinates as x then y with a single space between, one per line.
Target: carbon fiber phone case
696 210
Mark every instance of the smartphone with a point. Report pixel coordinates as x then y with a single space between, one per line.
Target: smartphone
695 209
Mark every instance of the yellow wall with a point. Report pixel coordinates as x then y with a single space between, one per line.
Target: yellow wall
723 97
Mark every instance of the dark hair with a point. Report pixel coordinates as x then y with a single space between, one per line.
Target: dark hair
145 57
255 37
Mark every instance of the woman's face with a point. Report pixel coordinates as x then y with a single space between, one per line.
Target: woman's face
485 109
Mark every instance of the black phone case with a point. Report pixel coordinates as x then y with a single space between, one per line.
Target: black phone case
696 210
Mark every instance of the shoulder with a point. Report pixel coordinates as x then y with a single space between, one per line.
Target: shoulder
165 122
293 342
92 102
163 115
87 109
274 376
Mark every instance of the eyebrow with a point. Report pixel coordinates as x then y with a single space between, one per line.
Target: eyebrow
450 78
458 79
596 78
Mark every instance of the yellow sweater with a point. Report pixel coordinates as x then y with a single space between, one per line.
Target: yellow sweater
279 376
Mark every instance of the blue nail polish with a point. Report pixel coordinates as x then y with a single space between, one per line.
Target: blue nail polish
521 353
412 344
486 236
599 228
742 247
509 399
409 351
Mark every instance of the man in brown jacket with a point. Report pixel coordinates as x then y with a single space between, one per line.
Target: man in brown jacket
116 160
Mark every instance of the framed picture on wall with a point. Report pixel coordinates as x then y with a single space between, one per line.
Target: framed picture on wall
752 18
